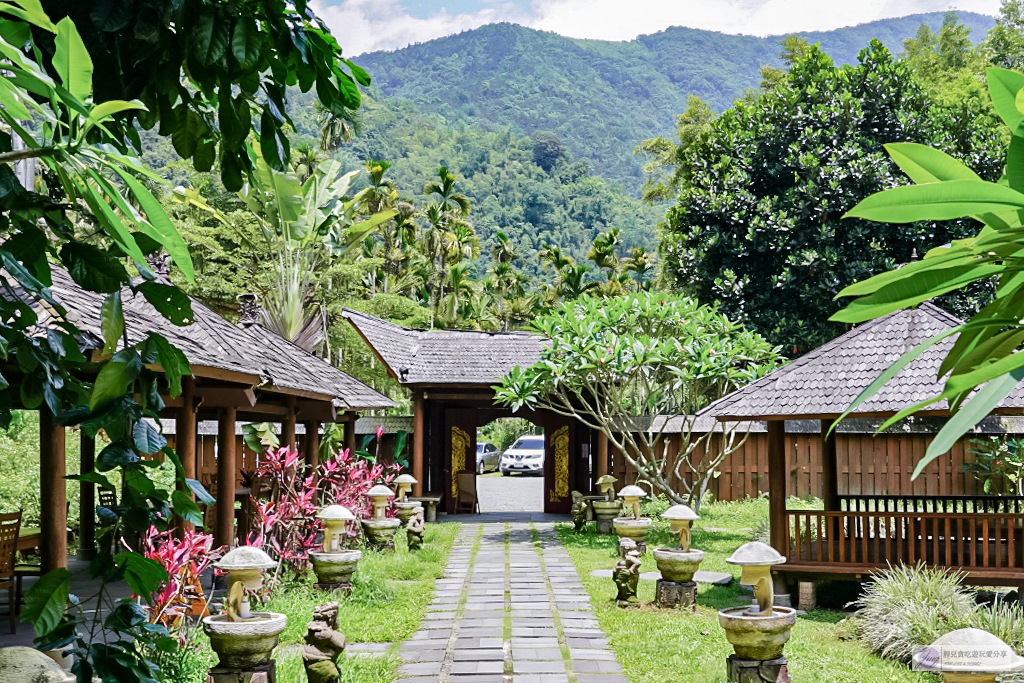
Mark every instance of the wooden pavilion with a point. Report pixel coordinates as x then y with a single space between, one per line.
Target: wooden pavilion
451 374
982 536
240 373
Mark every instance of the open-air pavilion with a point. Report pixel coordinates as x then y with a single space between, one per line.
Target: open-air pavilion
982 536
240 373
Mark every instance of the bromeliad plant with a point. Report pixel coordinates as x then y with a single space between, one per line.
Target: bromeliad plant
984 364
631 367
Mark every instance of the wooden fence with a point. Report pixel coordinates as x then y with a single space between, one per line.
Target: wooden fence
868 464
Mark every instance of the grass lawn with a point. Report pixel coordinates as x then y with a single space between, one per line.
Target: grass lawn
656 646
389 596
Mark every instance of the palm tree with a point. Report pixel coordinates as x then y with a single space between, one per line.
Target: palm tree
450 237
306 160
461 289
336 127
641 264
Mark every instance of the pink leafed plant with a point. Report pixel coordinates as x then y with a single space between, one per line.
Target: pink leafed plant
286 525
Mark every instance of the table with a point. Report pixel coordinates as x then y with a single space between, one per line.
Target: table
429 507
29 538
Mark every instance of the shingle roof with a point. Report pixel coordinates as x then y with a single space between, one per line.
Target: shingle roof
213 342
445 356
826 381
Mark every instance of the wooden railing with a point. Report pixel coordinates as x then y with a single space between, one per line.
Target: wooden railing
944 504
982 542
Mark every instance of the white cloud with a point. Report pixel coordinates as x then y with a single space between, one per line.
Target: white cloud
368 25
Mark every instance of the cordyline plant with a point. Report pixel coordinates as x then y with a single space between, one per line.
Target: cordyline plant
185 560
287 523
630 367
984 364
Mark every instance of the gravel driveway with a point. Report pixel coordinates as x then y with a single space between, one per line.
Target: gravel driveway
510 494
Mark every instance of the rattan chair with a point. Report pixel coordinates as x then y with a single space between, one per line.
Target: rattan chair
10 525
467 500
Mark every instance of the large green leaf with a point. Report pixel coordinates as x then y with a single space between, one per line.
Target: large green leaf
31 11
147 438
171 302
46 601
111 15
210 37
987 398
93 268
111 321
924 164
171 360
71 60
185 508
937 201
159 226
112 107
142 574
245 42
111 221
951 257
1004 85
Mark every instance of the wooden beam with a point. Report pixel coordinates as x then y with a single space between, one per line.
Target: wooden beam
601 458
459 395
418 436
321 411
185 438
87 499
829 468
288 423
777 486
224 533
311 444
53 499
350 434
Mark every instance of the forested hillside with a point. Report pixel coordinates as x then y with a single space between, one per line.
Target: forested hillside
602 98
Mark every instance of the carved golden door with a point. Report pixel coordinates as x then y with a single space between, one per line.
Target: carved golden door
460 450
559 448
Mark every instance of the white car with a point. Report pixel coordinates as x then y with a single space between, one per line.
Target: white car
525 455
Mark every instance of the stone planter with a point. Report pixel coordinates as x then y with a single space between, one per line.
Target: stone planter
244 644
678 566
336 567
755 637
28 665
405 510
635 529
604 512
381 532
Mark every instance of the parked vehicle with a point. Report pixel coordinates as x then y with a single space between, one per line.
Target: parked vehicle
525 455
487 457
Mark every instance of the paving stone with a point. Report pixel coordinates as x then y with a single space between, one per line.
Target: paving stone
595 667
525 667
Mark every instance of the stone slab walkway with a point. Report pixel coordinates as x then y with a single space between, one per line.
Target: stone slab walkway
510 609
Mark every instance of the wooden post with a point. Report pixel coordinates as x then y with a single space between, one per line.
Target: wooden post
418 439
53 498
87 499
185 438
601 459
777 485
288 423
829 468
311 444
224 533
350 433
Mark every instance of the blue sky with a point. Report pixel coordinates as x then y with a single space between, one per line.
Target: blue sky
368 25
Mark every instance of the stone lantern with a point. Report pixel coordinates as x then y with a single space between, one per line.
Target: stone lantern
968 655
379 529
636 527
405 508
610 508
676 587
757 633
334 565
243 640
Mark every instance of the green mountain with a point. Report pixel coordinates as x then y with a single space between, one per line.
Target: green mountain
602 98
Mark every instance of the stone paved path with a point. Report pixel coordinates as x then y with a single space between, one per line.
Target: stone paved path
510 609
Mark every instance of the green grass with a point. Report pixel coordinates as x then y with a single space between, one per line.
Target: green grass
690 647
390 592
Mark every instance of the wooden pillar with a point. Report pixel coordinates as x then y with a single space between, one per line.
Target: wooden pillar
311 444
777 485
350 433
288 423
418 438
87 499
185 438
224 533
829 468
53 498
600 459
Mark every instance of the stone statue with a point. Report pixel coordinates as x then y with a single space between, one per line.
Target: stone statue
626 545
627 578
324 645
579 512
414 530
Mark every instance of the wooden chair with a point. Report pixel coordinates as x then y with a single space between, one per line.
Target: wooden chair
10 525
467 500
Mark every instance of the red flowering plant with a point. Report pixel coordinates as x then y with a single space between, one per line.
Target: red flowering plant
286 523
185 560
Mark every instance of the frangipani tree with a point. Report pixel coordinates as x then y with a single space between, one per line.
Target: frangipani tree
984 364
630 366
304 223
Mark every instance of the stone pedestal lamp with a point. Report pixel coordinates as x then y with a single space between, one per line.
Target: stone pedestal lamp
244 640
608 509
404 507
334 565
968 655
633 527
379 529
676 587
757 633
